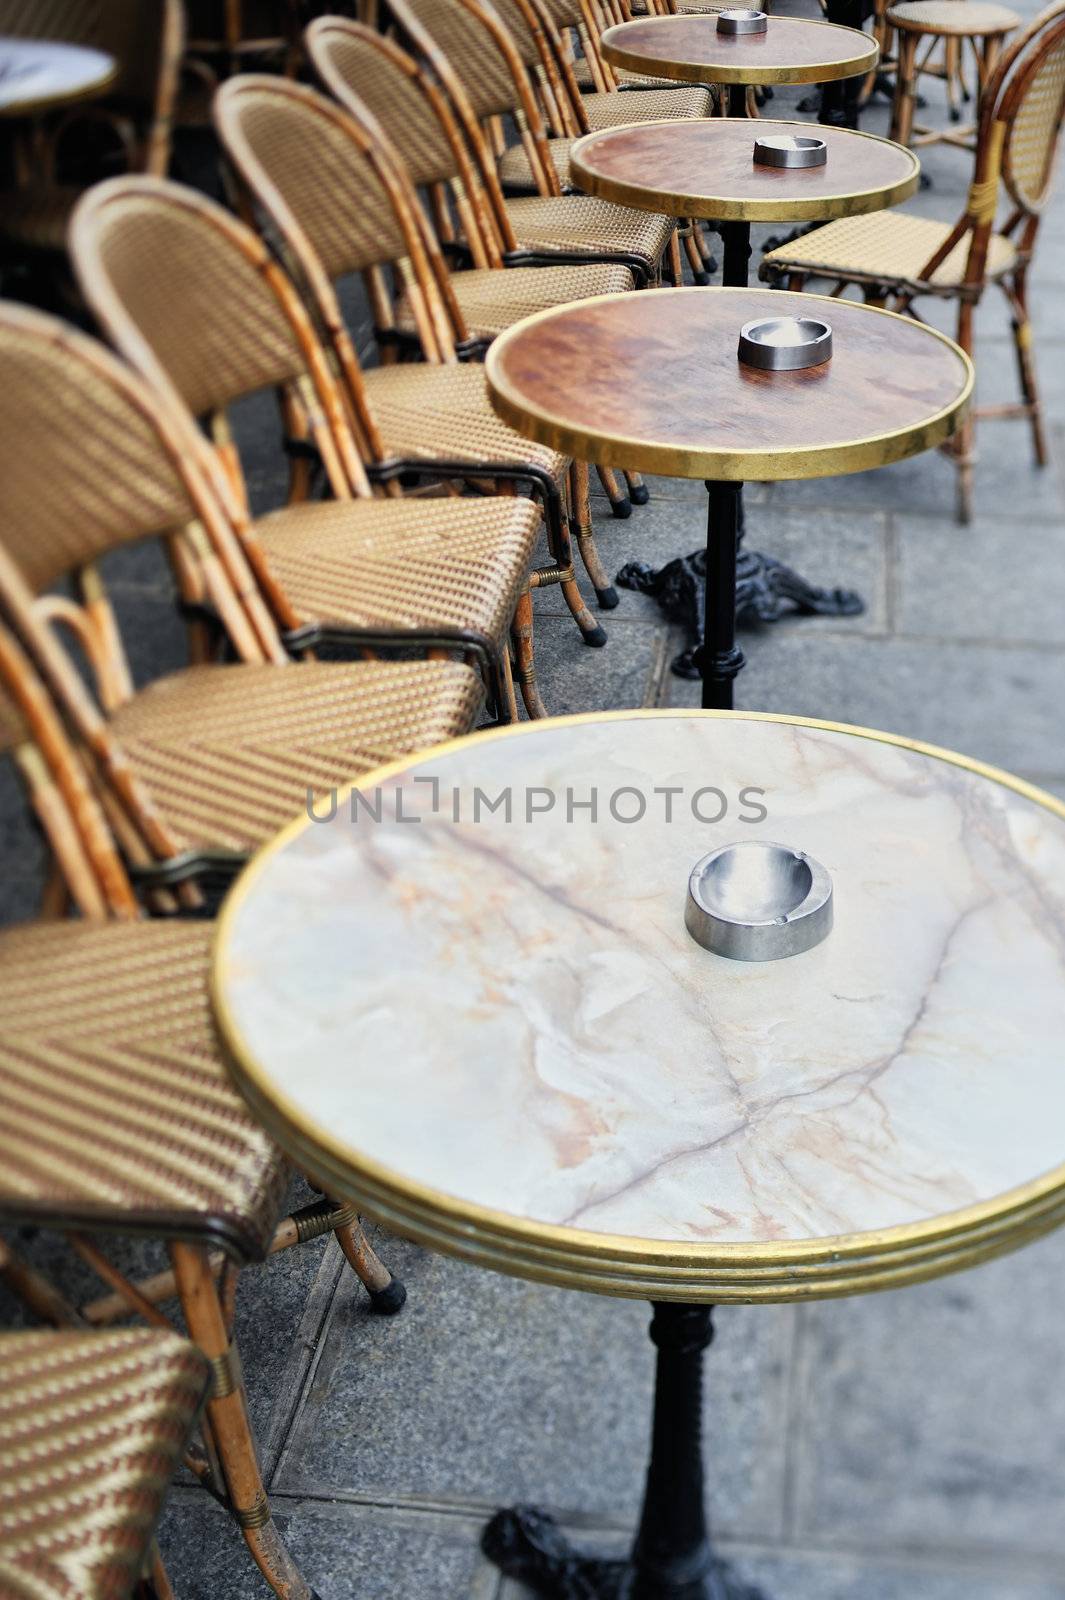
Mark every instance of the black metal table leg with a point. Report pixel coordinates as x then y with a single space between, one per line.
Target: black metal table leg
720 658
736 238
672 1557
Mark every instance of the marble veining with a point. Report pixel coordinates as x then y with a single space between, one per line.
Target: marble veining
514 1013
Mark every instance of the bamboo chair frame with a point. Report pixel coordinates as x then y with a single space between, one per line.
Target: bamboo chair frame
323 427
910 66
996 168
201 1278
452 182
375 167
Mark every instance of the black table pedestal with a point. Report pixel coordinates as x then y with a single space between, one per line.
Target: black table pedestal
672 1557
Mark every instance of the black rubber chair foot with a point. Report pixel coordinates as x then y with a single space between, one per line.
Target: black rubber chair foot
607 598
621 508
640 495
955 116
700 279
594 637
387 1301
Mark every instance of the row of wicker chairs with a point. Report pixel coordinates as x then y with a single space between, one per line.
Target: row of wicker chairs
116 1113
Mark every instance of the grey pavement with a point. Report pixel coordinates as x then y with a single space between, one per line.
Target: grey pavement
903 1445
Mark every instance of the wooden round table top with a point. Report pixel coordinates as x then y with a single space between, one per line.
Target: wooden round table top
651 381
705 168
496 1035
36 74
690 49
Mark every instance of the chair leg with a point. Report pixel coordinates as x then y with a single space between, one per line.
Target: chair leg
638 490
387 1294
964 458
581 529
620 505
695 260
521 634
1022 344
227 1418
511 699
676 269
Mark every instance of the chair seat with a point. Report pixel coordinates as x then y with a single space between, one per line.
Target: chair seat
492 301
93 1426
885 246
229 752
435 413
966 19
582 72
440 565
115 1108
581 223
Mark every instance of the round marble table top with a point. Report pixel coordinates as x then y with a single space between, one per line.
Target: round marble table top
651 381
705 167
497 1035
690 49
38 73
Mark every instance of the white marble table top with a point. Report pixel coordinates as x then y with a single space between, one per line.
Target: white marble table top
38 73
505 1028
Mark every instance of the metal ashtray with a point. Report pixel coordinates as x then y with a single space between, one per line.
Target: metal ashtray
742 19
757 901
785 344
789 150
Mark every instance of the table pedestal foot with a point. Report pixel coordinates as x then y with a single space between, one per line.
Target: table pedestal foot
672 1557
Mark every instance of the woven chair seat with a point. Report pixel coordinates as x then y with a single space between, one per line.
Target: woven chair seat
38 218
433 564
583 223
230 752
582 72
886 246
93 1426
115 1108
493 301
966 19
433 413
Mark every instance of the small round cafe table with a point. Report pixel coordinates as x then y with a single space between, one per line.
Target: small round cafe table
691 50
651 380
39 74
465 1000
705 168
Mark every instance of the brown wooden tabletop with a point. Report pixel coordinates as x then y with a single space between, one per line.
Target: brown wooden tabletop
37 74
705 168
690 49
651 381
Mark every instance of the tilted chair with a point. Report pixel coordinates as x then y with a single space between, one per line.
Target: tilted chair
128 129
118 1116
199 767
433 420
896 258
93 1426
383 86
341 203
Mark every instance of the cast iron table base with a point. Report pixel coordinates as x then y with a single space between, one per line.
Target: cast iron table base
672 1557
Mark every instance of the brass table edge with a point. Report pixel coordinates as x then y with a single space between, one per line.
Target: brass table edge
825 208
615 1264
758 464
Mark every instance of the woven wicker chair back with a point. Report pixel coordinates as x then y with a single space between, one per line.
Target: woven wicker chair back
473 53
285 136
82 469
1033 107
191 280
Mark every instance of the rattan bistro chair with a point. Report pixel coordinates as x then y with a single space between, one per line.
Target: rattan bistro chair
485 79
128 130
895 257
93 1426
341 203
389 92
200 767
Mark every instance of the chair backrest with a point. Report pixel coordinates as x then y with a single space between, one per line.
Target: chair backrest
1032 107
372 77
328 184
